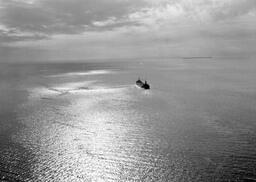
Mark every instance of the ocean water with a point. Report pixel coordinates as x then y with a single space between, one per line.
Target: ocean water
89 122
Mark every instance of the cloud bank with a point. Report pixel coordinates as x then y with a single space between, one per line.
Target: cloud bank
134 28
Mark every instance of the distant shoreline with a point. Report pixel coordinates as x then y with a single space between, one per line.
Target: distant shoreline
205 57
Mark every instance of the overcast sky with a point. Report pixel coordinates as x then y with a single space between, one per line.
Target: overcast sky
42 30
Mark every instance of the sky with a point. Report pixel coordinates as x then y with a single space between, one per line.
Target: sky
72 30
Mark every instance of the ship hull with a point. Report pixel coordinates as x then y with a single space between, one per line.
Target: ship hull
143 85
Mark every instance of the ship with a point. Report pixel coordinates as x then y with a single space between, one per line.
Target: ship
142 84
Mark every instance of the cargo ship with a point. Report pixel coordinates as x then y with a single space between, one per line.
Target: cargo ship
142 84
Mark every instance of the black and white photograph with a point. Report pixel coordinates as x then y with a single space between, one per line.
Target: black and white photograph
127 90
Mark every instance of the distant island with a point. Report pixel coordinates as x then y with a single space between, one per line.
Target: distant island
200 57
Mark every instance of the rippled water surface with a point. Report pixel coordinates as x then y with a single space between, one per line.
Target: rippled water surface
89 122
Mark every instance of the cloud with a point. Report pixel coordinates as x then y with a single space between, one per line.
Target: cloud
194 11
45 18
111 27
62 16
49 17
13 35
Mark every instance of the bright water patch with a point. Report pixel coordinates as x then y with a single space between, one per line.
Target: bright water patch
87 73
197 123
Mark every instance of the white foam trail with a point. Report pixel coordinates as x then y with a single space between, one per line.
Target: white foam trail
72 86
49 92
58 89
98 89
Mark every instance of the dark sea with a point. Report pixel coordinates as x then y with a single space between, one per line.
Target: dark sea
79 122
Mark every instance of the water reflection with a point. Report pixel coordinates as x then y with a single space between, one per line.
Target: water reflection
112 135
102 128
87 137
